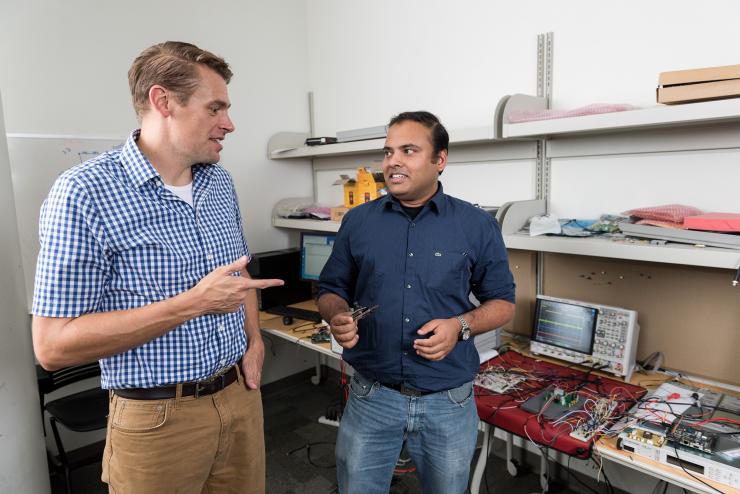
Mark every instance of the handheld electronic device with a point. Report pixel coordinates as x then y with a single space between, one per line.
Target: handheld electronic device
587 333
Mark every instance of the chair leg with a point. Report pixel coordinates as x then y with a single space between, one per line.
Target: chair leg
61 453
67 480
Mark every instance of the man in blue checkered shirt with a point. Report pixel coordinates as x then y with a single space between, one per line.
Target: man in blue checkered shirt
142 266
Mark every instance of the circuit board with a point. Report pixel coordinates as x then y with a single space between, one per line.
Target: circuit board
553 404
693 437
645 436
498 382
586 429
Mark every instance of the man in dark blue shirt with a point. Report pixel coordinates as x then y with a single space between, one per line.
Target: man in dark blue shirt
417 253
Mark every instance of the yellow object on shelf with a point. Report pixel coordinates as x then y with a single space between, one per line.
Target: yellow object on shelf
368 185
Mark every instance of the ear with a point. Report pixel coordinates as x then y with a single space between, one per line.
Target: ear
441 161
159 100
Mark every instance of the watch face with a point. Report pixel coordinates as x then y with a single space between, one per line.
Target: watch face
465 334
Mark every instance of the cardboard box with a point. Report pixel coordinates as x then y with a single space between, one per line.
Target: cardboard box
367 186
687 86
338 213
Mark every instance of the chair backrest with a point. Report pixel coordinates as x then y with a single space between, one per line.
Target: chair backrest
52 380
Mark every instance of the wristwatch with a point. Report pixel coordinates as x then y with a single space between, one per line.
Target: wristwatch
464 329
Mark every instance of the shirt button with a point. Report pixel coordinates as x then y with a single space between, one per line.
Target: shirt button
406 319
408 285
413 225
209 257
221 327
411 254
405 353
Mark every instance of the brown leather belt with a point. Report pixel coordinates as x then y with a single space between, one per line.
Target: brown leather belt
201 388
405 390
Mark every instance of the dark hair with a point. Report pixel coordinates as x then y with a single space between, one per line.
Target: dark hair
173 65
440 138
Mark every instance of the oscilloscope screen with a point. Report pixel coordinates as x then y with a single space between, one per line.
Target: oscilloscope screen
565 325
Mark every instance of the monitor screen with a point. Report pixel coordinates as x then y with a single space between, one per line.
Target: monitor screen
315 251
565 325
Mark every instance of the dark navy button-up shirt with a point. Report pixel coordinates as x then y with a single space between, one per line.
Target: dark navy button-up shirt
416 270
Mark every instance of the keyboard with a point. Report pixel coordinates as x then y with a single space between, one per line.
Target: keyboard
295 313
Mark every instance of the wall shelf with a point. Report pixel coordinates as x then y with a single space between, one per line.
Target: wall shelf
289 145
687 115
671 253
306 224
338 149
663 116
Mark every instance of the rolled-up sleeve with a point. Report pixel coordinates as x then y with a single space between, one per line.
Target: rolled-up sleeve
72 268
491 277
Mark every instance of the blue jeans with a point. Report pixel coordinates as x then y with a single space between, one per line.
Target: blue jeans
440 431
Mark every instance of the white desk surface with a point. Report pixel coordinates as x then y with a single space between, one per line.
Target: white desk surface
272 324
673 475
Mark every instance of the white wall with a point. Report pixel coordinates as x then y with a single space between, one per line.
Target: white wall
22 456
458 58
371 60
64 64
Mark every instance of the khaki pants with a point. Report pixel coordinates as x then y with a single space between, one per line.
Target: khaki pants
212 444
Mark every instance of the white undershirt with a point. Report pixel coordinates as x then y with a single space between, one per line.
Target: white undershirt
184 192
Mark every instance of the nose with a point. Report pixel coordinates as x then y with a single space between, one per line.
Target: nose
391 159
226 124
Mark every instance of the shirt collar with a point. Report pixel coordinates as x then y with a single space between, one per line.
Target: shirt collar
135 164
141 171
436 202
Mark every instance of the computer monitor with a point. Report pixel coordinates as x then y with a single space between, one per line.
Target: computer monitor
564 325
315 251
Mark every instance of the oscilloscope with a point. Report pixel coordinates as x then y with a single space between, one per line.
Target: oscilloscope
582 332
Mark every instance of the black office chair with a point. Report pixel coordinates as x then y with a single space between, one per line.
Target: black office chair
79 412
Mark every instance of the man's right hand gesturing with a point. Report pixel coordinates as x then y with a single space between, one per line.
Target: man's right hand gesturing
220 291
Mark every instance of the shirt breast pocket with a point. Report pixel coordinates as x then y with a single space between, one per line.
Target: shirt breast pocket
447 269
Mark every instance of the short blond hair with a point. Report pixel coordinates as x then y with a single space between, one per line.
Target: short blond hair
173 65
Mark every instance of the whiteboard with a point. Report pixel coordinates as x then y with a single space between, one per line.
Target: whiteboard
35 163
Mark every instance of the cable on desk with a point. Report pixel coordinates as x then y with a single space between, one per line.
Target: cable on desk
573 474
491 437
606 478
272 344
680 463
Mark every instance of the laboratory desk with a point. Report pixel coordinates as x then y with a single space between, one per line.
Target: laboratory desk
603 449
299 333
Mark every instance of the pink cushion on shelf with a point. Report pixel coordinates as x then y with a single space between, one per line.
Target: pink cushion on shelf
530 116
664 224
718 222
674 213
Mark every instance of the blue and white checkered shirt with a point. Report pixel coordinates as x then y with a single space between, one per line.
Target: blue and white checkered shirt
114 238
